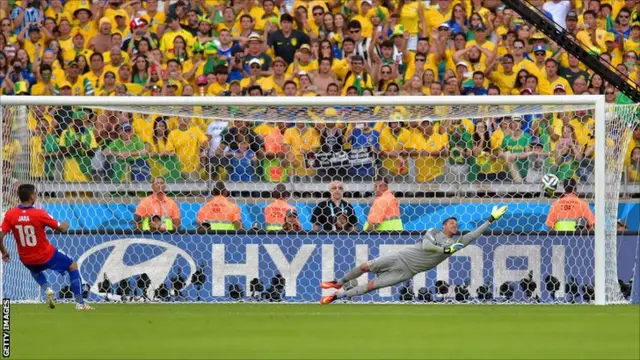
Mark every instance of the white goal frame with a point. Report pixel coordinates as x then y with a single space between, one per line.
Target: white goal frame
597 101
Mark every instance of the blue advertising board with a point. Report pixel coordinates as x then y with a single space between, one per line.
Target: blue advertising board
306 259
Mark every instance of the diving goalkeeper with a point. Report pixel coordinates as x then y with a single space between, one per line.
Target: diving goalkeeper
434 248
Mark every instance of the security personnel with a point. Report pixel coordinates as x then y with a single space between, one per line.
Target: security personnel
568 212
157 205
275 213
220 213
326 213
385 211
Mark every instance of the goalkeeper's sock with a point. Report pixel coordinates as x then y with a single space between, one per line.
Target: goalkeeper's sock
76 285
41 279
354 291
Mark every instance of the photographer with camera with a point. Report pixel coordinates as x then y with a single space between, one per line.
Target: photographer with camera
237 69
18 80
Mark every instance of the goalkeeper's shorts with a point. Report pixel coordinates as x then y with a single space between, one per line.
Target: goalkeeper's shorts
390 270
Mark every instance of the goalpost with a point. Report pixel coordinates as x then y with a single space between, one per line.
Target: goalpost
104 115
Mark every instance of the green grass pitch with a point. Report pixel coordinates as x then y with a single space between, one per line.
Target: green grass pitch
283 331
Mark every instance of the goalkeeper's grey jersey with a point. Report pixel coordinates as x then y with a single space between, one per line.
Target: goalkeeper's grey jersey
429 252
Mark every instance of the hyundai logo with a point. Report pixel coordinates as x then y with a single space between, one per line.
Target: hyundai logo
157 267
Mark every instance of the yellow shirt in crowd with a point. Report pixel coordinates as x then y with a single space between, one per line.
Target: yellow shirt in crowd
186 144
390 142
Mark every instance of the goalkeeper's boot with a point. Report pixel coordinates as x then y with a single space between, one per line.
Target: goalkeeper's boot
326 300
51 299
83 307
330 285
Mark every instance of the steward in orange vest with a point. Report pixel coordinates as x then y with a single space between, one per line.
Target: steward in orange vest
220 213
275 213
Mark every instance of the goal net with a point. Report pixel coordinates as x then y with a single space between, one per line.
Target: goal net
136 179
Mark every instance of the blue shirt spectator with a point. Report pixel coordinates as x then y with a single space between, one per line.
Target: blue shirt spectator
237 66
27 76
15 77
454 26
477 87
476 91
626 33
243 163
336 51
528 120
31 15
365 143
229 52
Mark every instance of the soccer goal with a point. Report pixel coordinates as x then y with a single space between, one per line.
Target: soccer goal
94 159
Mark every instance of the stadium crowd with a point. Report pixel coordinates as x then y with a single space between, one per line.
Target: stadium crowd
308 48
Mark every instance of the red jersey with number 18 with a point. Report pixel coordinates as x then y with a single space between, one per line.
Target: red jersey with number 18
28 226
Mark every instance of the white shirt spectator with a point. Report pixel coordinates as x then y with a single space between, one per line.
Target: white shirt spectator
362 49
558 10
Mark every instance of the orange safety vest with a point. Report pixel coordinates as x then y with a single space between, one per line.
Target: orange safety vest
566 211
151 206
274 172
220 213
385 212
273 142
274 214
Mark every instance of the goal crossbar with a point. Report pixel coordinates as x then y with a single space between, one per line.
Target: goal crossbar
301 101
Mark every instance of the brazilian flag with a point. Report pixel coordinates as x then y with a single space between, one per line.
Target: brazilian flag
627 116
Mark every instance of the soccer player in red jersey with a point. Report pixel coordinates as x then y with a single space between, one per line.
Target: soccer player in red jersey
28 226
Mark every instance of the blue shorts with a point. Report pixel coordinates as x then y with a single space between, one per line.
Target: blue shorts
59 262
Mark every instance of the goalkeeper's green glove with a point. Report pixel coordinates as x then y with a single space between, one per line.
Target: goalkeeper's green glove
453 248
497 213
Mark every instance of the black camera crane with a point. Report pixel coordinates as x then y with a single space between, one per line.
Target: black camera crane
566 40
